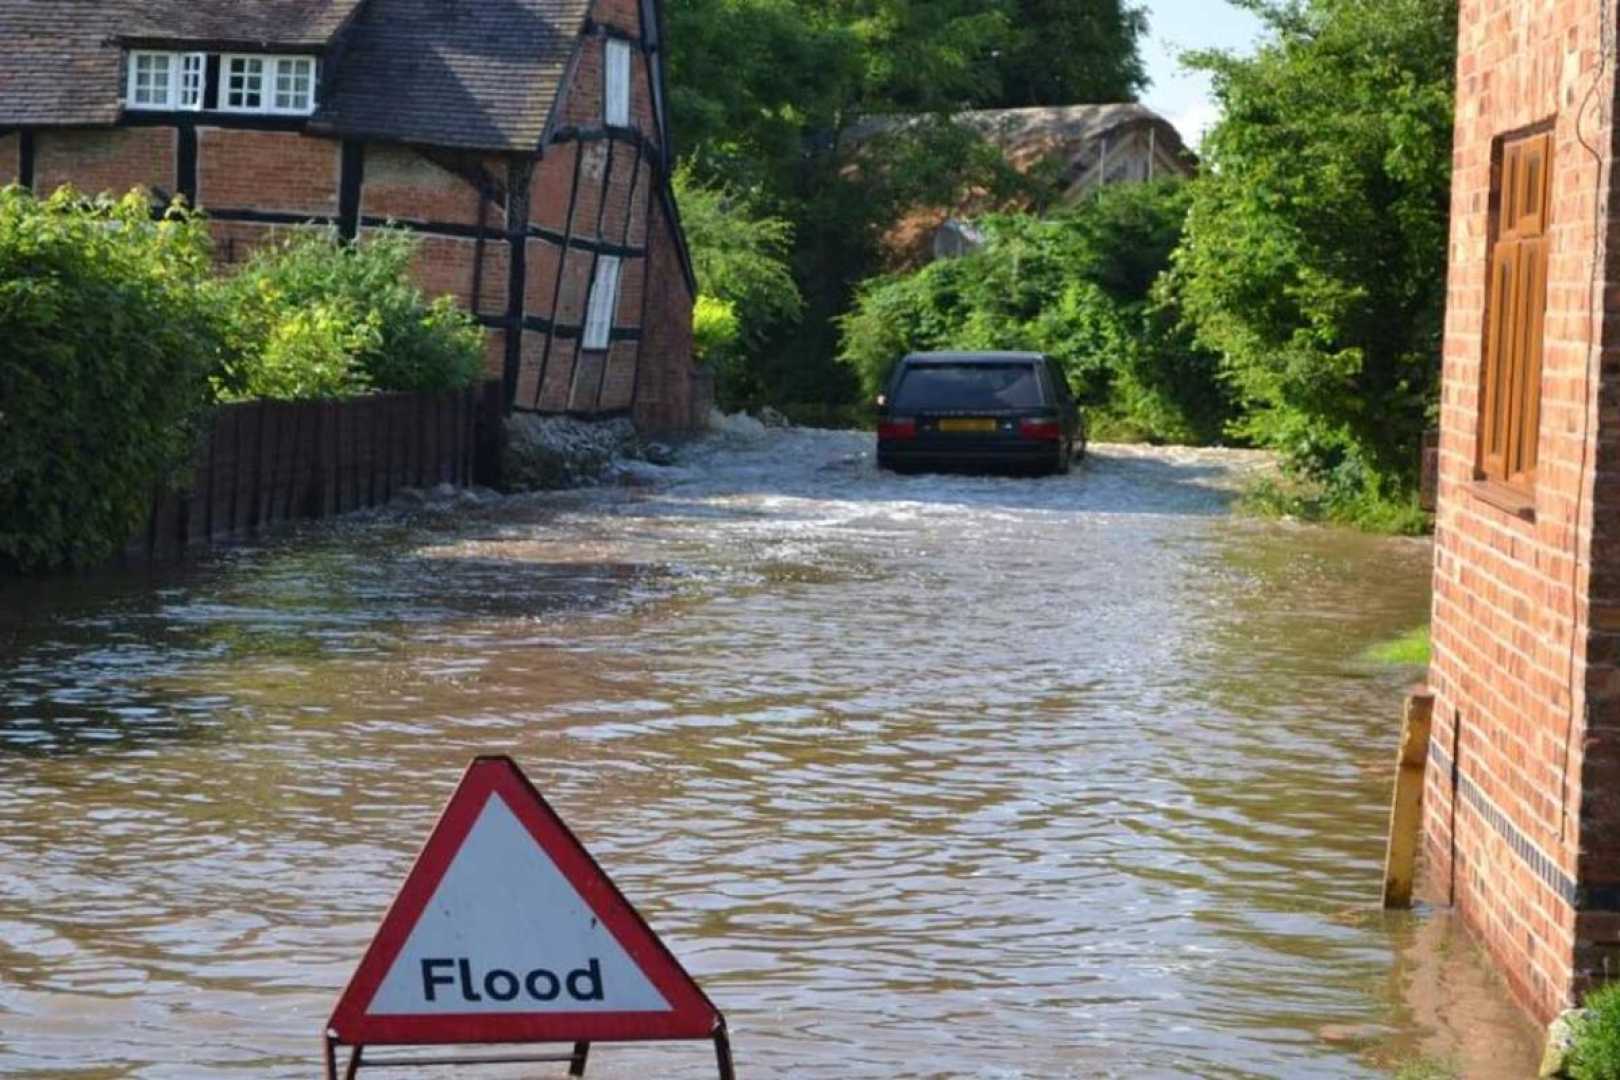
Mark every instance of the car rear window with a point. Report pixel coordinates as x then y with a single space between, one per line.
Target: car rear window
968 386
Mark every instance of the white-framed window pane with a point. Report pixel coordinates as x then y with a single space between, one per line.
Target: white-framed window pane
295 85
244 83
604 302
149 80
616 97
193 76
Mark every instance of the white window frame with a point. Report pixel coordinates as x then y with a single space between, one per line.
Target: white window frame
225 62
281 62
182 71
604 304
132 100
269 77
616 83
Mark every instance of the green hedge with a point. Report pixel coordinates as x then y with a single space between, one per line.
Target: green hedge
111 336
312 317
118 338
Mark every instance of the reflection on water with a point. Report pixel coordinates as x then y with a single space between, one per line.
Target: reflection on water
921 776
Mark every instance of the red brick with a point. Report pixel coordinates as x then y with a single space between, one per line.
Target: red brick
276 171
110 160
1514 659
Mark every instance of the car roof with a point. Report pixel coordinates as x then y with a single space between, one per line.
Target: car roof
975 358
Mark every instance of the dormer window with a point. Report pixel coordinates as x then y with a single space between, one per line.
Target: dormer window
150 80
160 80
193 80
295 84
244 84
233 82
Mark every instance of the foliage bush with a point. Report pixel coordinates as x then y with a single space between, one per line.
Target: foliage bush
1314 263
1595 1054
1083 286
746 286
312 317
110 336
118 338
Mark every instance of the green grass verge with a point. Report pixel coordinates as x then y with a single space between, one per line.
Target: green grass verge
1412 648
1428 1069
1280 497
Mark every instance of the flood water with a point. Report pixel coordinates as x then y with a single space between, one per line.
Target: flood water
920 776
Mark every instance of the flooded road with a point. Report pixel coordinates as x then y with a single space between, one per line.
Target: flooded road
921 777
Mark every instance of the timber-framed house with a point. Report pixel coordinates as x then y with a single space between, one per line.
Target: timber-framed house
526 142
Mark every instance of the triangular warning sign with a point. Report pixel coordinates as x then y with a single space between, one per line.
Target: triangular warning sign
506 930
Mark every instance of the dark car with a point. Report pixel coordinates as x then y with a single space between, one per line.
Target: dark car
990 409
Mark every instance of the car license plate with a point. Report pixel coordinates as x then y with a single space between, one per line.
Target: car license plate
977 425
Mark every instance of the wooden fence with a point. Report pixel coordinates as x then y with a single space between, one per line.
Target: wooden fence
267 462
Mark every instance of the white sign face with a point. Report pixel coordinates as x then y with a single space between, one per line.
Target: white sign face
507 933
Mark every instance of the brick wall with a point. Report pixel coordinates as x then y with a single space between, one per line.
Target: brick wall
623 15
447 265
403 185
10 158
552 186
1512 666
114 160
279 171
558 378
664 378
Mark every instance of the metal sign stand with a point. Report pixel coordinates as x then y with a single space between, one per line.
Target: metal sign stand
575 1060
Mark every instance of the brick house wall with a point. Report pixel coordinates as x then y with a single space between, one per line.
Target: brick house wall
665 400
1520 827
515 237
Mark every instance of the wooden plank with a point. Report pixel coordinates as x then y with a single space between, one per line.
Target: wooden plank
268 464
323 459
222 471
1406 811
373 444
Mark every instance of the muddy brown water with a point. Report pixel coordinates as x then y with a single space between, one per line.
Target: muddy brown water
922 777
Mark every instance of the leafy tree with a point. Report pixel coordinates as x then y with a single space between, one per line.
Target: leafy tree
1315 257
1063 52
749 79
745 282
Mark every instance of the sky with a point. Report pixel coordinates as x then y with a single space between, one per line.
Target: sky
1175 26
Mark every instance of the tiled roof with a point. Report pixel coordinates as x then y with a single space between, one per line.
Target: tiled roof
264 22
473 73
481 74
1037 130
54 68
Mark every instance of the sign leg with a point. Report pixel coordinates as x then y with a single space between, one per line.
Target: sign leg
354 1063
722 1053
576 1067
331 1058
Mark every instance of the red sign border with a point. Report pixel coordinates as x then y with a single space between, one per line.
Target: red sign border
692 1014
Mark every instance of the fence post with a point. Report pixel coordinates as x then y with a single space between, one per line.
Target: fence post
1406 811
489 435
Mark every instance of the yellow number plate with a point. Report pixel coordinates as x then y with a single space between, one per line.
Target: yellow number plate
975 425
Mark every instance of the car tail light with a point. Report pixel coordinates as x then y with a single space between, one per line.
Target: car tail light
1042 430
897 429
